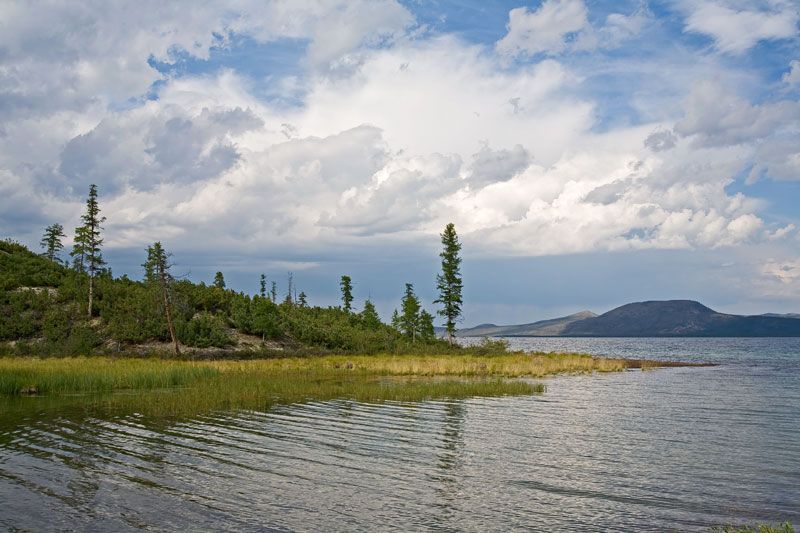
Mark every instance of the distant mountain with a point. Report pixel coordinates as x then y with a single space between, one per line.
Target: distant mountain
784 315
672 318
543 328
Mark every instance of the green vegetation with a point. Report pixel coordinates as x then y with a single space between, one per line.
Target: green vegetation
786 527
42 303
51 241
21 375
346 285
449 281
43 311
188 387
86 250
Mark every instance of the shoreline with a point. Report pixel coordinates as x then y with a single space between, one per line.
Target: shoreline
27 376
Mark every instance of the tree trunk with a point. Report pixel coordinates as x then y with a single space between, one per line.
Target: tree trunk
91 293
168 312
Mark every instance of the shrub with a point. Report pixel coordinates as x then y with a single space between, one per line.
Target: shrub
203 331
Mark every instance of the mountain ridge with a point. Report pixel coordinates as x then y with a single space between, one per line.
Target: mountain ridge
652 318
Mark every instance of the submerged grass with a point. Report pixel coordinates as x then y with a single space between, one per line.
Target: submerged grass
184 387
102 374
785 527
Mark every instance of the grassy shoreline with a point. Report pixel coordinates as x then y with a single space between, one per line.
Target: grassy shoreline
28 375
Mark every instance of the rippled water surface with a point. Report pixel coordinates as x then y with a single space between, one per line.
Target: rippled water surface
671 449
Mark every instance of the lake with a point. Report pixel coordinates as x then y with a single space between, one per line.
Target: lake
676 449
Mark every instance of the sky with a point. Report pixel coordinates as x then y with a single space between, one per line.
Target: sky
590 153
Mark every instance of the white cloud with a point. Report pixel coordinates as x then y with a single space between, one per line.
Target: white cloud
793 76
784 271
618 29
422 133
737 30
715 117
544 30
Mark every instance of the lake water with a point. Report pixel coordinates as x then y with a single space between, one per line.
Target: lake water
676 449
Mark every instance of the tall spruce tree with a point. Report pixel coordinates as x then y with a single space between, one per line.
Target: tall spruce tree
302 300
51 241
219 280
409 313
263 286
273 292
346 285
88 242
157 275
449 281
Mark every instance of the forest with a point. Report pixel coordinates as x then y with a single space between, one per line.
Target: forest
49 306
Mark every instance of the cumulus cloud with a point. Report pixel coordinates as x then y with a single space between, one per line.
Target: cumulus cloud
148 146
422 132
563 25
545 29
793 76
778 159
494 166
660 140
716 117
784 271
736 30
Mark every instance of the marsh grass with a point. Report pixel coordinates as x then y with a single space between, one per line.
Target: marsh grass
95 374
103 374
192 386
785 527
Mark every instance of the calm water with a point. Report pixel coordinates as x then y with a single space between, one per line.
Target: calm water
666 450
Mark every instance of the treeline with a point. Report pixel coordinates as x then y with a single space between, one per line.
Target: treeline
51 306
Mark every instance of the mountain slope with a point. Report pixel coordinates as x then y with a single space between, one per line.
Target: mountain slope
542 328
679 318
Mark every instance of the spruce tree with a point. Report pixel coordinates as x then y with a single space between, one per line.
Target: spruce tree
150 266
88 242
219 280
302 300
395 321
289 288
157 275
263 286
369 316
273 292
426 329
409 316
449 281
51 241
347 293
78 252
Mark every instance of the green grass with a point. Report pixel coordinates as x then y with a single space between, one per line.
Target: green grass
786 527
20 375
160 386
97 374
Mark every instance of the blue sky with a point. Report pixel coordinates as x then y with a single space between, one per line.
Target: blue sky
590 153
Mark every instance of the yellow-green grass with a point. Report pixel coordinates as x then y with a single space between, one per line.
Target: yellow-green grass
189 387
102 374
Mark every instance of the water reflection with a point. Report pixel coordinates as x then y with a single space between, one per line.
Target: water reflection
674 449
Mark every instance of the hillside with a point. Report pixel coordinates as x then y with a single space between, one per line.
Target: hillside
671 318
680 318
43 310
542 328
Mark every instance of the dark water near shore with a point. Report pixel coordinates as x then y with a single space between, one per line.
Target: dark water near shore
676 449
